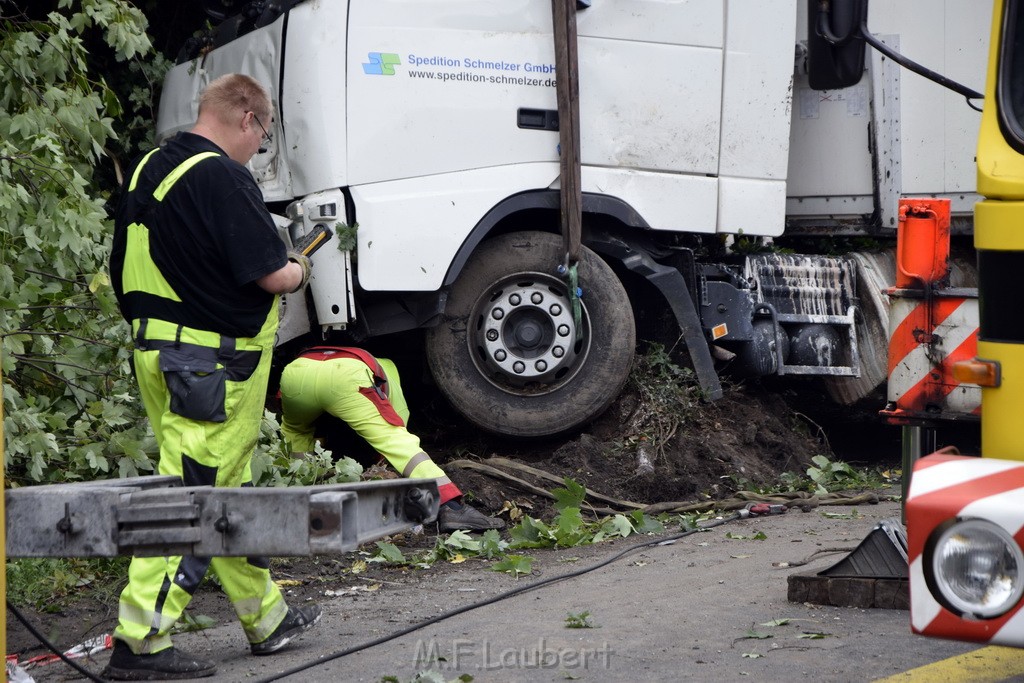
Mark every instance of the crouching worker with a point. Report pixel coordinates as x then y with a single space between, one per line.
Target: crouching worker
351 385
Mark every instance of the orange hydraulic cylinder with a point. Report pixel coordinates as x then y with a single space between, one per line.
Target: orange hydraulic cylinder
922 243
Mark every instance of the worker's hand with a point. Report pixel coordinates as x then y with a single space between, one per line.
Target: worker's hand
307 267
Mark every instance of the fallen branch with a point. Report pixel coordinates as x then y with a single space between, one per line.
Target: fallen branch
494 472
513 465
801 499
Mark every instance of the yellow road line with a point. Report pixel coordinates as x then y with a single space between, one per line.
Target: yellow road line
985 665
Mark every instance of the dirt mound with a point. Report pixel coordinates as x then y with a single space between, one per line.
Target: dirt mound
649 452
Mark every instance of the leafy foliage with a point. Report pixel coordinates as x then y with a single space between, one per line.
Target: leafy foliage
829 476
48 584
669 395
71 411
273 465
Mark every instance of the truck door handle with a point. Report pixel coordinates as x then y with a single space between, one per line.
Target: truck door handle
538 119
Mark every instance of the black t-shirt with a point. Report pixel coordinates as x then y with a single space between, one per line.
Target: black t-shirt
211 237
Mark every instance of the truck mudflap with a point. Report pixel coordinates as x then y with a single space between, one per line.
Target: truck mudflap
156 516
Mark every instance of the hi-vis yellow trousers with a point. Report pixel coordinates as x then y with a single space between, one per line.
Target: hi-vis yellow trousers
220 384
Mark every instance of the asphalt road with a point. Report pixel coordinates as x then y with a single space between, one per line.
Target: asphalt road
711 607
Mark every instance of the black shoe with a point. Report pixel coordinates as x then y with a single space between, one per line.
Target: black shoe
166 665
465 518
297 620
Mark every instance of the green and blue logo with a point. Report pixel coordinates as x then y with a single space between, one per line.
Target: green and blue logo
381 64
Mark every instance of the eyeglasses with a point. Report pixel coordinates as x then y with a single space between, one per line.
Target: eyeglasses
266 136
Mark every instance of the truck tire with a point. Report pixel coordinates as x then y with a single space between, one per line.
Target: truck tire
505 355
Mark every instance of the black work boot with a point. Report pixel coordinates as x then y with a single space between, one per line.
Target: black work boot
457 516
297 620
165 665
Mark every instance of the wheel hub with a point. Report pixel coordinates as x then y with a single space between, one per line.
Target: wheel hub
525 335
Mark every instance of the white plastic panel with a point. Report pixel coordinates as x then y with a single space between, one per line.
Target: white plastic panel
313 97
179 101
751 207
410 230
697 23
756 96
650 106
694 199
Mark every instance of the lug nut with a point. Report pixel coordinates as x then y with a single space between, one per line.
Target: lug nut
537 298
555 309
500 355
492 335
558 352
541 366
497 314
519 366
563 330
515 299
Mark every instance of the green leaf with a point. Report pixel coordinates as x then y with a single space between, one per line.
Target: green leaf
619 525
348 469
188 623
491 544
514 564
531 533
581 620
821 461
568 530
463 541
572 496
390 553
645 524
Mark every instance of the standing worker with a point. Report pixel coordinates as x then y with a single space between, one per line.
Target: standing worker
351 385
197 266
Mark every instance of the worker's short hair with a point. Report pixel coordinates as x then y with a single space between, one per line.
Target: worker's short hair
233 93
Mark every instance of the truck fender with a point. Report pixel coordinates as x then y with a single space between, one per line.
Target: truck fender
538 199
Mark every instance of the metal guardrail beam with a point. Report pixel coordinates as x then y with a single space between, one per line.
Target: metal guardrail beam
156 516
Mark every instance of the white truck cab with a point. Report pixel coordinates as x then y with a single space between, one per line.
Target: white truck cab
429 132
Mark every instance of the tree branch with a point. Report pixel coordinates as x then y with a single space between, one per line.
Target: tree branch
54 277
64 334
66 382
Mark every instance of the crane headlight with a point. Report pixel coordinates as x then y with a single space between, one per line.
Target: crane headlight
976 567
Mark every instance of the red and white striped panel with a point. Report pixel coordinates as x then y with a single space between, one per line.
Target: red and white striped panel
922 353
946 487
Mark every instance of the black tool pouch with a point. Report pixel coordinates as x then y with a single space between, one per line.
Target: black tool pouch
197 385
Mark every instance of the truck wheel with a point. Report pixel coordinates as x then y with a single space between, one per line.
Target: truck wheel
506 354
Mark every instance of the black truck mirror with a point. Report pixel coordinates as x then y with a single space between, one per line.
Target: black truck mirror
835 43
